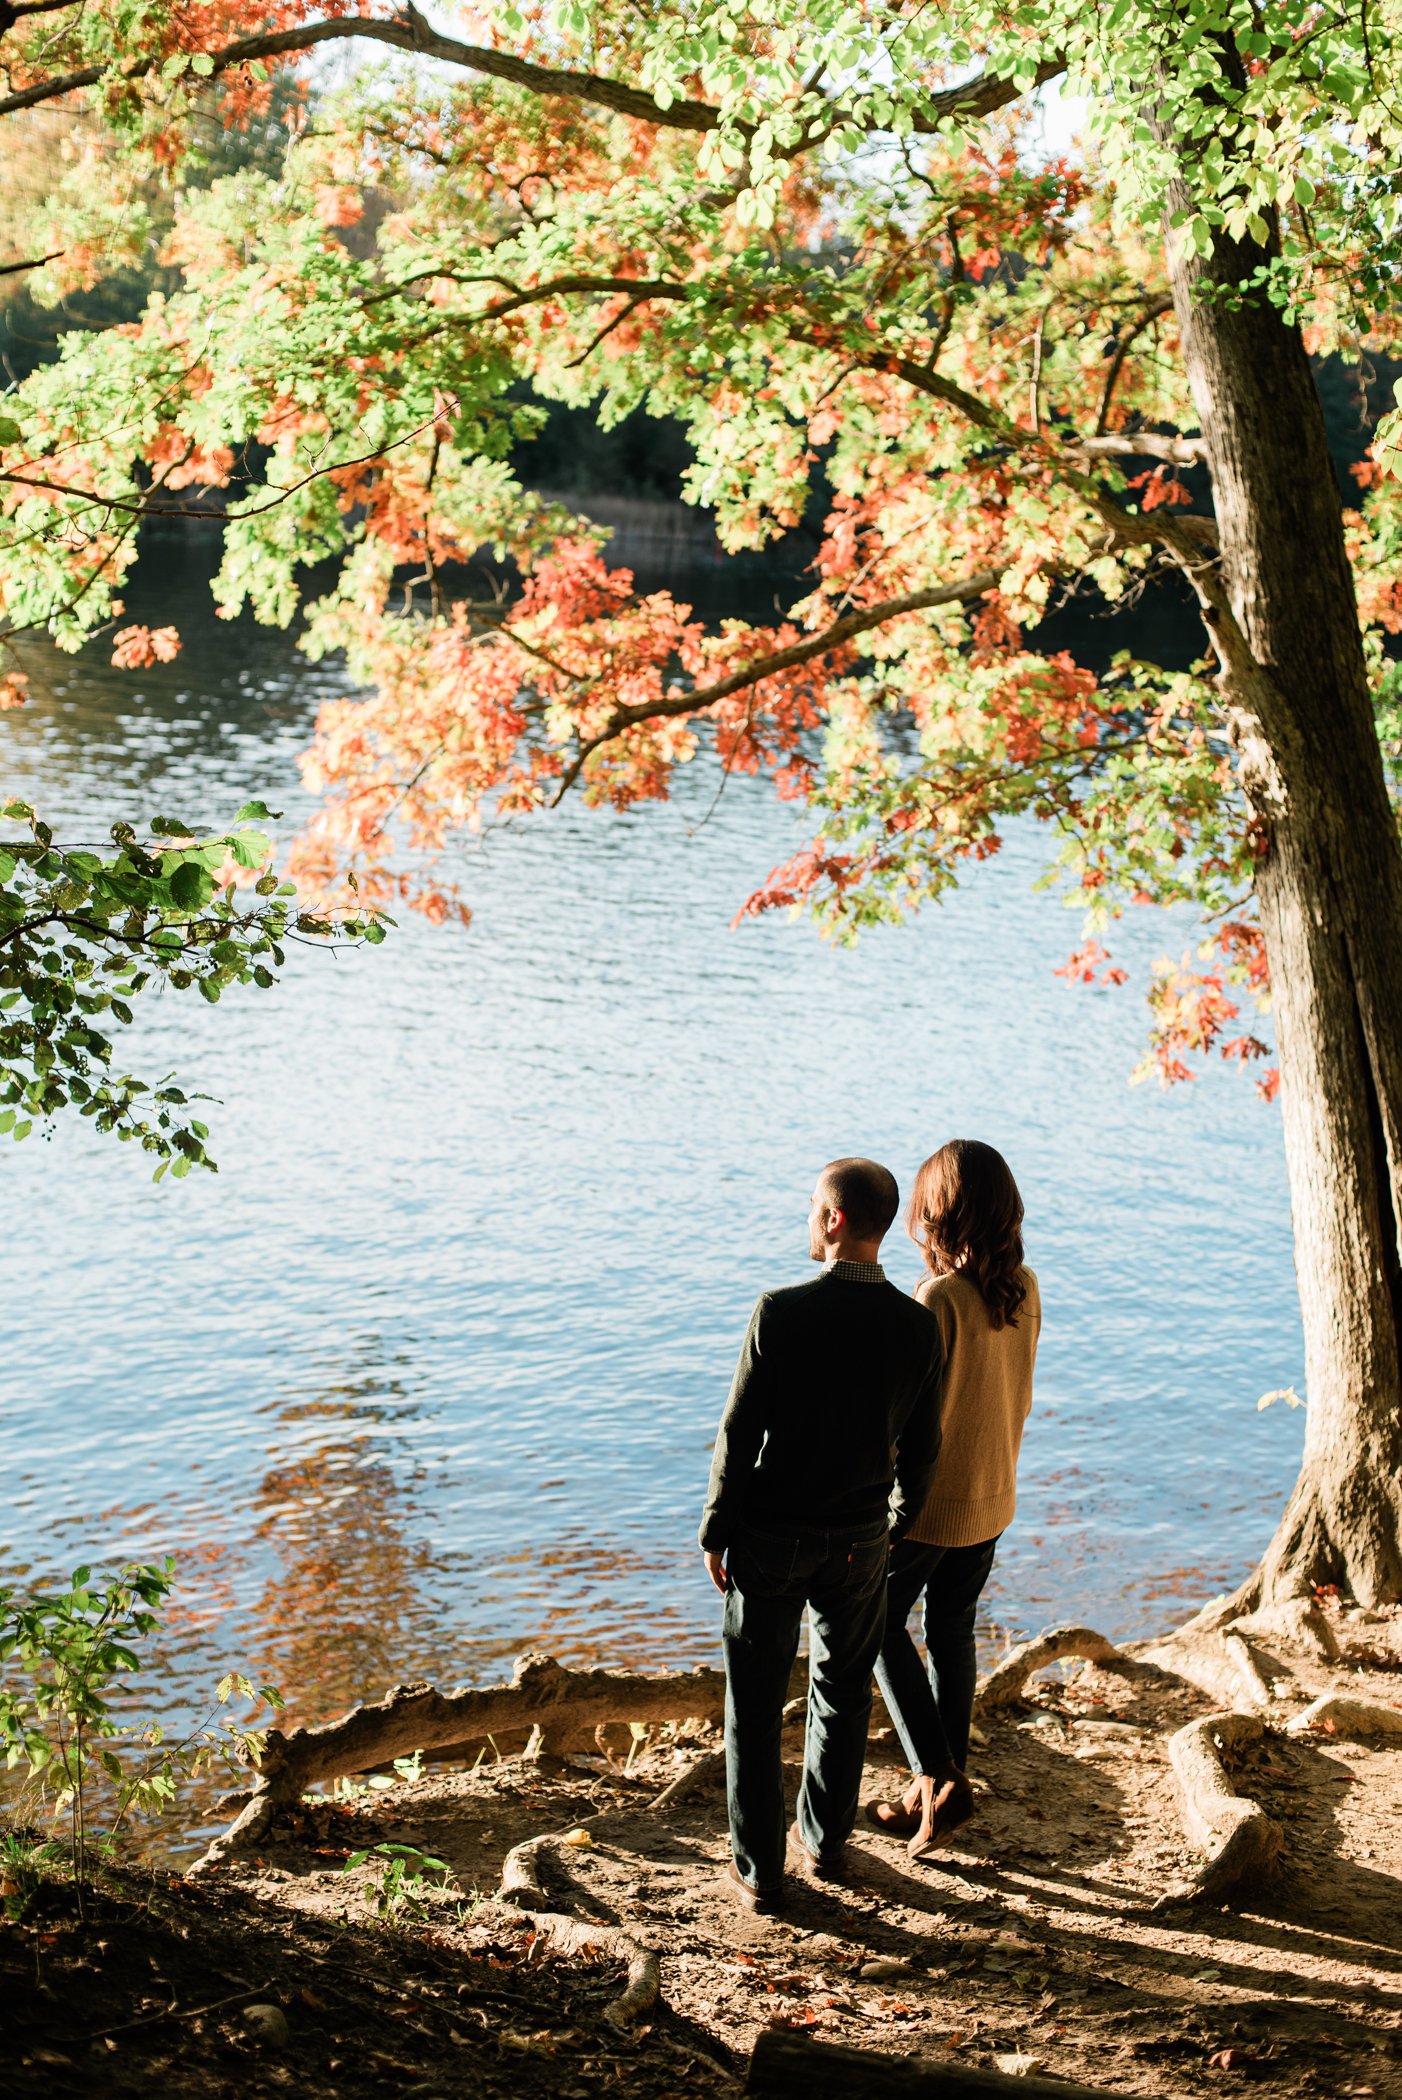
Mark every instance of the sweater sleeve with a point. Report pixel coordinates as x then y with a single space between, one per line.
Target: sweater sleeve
741 1433
918 1443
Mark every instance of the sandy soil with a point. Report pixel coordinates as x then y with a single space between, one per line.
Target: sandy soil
1036 1940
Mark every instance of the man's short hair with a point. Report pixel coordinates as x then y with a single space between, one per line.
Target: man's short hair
864 1192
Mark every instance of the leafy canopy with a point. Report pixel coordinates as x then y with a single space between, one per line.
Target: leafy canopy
827 237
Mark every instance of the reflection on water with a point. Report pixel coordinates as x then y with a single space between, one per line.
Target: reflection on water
338 1541
428 1374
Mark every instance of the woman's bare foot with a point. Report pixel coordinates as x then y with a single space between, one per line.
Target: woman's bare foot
893 1817
905 1817
946 1801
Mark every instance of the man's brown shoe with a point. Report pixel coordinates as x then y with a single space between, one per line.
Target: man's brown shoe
763 1903
814 1866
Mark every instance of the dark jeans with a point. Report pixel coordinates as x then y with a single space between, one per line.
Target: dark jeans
932 1713
772 1578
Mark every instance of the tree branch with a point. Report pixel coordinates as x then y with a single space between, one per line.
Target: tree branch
830 638
982 97
144 507
408 31
617 322
35 262
640 288
1143 444
1151 313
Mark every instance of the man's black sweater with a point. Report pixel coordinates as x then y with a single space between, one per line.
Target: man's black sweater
833 1416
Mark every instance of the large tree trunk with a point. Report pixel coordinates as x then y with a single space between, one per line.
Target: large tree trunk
1329 883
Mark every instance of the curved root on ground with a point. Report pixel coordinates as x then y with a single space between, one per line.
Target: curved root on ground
1238 1838
1340 1714
524 1889
1298 1621
1224 1665
1003 1686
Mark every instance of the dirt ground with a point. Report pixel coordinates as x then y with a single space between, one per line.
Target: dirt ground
1032 1942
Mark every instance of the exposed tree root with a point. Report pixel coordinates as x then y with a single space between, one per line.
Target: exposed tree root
1239 1839
1226 1666
1296 1620
1003 1686
711 1766
566 1706
791 2067
523 1888
1339 1714
1313 1544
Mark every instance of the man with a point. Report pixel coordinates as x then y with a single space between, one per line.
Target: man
827 1446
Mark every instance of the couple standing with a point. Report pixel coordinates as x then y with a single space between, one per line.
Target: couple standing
867 1458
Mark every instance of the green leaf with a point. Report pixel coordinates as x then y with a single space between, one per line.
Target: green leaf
257 813
10 434
190 886
202 63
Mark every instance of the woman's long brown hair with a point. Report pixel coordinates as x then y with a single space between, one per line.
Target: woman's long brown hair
966 1215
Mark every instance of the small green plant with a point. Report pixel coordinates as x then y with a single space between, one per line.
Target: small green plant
403 1880
26 1858
61 1653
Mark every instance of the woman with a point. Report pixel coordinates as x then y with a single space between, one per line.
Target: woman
966 1215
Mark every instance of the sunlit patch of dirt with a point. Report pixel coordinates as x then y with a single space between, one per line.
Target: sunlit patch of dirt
1037 1939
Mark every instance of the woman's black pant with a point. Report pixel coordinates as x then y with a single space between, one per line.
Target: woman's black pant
932 1709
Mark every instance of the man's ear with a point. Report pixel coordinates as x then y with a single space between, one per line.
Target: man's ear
836 1223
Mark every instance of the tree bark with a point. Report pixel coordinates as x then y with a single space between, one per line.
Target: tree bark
569 1707
1329 885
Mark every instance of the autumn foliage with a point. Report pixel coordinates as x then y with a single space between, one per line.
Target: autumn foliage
958 344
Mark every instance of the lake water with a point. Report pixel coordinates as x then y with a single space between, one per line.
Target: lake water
429 1373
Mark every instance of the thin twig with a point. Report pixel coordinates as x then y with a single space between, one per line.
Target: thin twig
1151 313
173 2012
1035 402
